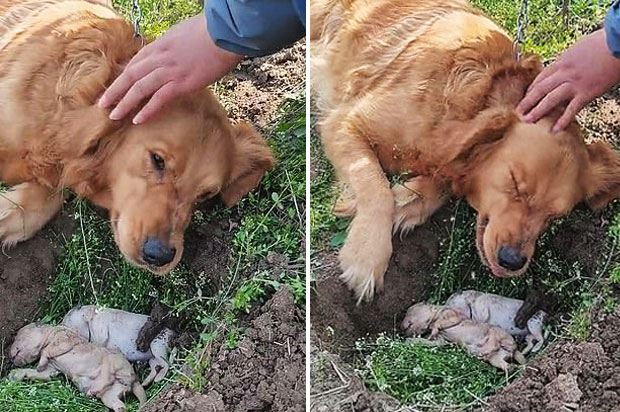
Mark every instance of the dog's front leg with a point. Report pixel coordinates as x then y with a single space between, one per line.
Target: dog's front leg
366 252
25 209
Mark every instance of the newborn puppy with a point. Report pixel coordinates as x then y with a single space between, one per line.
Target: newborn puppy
500 311
118 330
485 341
94 370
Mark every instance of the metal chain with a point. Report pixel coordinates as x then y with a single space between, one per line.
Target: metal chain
522 22
136 17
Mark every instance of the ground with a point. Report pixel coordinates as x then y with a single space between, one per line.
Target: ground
359 359
242 271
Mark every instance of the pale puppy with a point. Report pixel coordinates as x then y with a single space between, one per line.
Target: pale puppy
118 330
485 341
500 311
96 371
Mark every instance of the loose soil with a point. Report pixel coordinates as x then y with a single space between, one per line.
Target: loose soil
266 372
570 376
26 271
551 383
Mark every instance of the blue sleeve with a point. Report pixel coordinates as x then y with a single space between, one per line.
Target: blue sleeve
612 29
255 27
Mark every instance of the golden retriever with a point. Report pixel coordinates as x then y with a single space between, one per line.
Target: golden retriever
56 59
428 89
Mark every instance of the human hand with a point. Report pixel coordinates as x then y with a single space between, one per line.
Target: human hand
183 60
580 74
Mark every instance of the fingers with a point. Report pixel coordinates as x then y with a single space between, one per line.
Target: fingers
536 94
555 97
139 91
162 96
569 114
137 68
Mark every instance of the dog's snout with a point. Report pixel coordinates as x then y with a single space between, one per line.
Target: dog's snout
157 253
510 258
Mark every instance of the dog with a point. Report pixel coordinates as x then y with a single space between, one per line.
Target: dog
500 311
56 59
491 343
96 371
118 330
428 89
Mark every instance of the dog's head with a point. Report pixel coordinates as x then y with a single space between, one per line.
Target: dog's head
520 177
151 176
28 343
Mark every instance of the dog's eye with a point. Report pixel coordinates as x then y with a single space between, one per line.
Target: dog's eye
158 162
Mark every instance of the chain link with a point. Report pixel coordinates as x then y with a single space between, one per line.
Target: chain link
522 22
136 18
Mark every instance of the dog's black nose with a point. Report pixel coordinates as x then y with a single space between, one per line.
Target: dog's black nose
157 253
510 258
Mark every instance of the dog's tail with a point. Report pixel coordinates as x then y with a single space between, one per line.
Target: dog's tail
138 390
518 356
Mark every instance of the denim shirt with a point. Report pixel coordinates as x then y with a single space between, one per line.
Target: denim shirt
612 29
255 27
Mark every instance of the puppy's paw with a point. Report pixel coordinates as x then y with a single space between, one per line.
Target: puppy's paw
16 375
364 258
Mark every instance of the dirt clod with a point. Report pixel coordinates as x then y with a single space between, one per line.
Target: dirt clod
266 372
579 376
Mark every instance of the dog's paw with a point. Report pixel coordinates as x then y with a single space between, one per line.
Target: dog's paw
415 201
364 258
16 375
12 221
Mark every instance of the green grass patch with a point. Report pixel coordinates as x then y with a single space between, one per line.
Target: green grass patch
426 376
552 27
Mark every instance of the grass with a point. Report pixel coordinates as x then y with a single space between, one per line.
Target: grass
427 375
270 220
436 377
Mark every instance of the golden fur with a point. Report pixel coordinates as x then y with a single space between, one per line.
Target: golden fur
428 89
56 59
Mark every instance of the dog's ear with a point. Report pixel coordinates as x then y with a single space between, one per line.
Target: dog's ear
471 137
92 137
251 161
603 180
57 343
469 141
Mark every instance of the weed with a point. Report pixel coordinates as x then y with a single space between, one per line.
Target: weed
425 375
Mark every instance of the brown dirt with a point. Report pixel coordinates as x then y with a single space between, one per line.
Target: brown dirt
335 317
26 271
256 89
570 376
266 372
336 387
